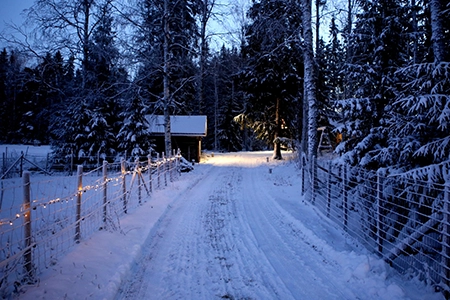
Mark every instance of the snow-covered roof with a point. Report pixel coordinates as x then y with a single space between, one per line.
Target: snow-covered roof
179 125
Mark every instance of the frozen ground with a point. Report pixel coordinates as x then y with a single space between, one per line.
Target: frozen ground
231 229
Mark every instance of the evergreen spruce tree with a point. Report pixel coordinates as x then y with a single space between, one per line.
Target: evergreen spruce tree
134 135
274 62
104 81
224 101
371 85
418 127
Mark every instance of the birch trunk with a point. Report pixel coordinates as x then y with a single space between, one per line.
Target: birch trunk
310 78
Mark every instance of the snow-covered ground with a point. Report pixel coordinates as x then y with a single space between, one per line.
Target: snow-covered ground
234 228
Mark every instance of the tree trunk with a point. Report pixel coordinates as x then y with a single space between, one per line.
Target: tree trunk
310 79
317 23
167 127
216 108
437 35
304 126
87 8
348 33
276 144
415 31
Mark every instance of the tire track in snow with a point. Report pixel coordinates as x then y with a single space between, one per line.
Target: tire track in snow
203 248
298 262
244 274
227 238
198 250
175 252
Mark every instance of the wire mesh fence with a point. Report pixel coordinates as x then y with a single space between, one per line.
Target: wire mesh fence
403 219
41 217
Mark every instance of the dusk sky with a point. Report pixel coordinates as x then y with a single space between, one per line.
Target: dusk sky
10 11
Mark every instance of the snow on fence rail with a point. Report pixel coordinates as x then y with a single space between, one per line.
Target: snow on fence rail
42 218
404 220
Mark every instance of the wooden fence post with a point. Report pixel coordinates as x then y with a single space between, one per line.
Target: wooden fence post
124 185
28 263
170 168
164 169
158 170
150 183
329 189
344 195
138 172
105 194
179 162
78 207
177 167
378 221
445 255
71 163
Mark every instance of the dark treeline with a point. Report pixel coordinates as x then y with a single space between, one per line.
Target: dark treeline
382 78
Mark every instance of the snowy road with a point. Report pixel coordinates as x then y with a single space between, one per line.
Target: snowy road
242 232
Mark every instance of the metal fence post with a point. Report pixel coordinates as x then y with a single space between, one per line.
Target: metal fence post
28 263
124 185
105 194
303 163
445 256
78 208
313 180
329 189
378 221
344 195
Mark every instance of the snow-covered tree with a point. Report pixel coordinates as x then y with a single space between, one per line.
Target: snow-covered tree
274 65
418 130
378 49
310 82
224 101
166 35
134 134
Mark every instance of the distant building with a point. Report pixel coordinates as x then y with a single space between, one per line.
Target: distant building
187 133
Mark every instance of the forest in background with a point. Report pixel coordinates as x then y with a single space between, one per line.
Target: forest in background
89 71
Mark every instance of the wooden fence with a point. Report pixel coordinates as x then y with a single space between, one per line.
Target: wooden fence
42 217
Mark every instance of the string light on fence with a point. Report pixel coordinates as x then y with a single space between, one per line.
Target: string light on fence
71 197
11 221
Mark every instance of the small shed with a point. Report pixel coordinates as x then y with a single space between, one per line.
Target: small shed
187 133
